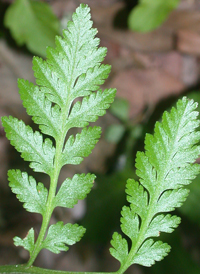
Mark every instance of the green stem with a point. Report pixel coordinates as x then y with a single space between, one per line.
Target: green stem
52 189
141 237
19 269
60 140
49 204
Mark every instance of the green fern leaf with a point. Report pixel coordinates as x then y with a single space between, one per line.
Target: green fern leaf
162 223
120 250
34 196
38 106
74 189
60 235
133 187
81 146
27 242
40 154
150 252
130 220
91 80
90 108
166 166
171 199
54 88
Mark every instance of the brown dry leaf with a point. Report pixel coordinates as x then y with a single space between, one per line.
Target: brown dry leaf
13 65
145 87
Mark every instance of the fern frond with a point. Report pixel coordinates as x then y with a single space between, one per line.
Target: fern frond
166 166
66 95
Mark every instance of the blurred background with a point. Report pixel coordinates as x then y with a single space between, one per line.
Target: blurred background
154 50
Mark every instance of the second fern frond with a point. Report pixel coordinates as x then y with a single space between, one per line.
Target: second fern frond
164 169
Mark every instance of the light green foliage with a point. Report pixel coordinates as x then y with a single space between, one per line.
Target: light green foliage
120 248
65 234
22 185
31 145
32 23
73 70
75 189
91 107
27 242
76 149
38 106
164 169
149 14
